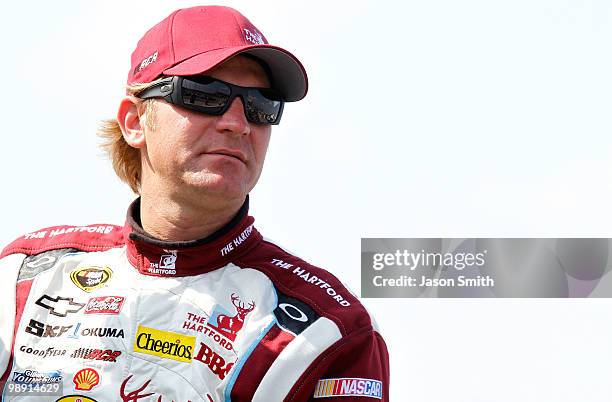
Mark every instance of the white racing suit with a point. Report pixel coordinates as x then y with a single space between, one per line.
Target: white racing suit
107 313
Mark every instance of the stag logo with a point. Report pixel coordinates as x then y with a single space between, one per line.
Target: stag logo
227 325
136 395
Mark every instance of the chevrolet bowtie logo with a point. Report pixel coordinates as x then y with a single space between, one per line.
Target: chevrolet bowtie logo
59 306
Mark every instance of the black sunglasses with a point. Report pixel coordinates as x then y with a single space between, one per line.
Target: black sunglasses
212 96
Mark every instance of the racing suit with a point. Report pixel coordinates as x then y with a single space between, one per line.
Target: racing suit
108 313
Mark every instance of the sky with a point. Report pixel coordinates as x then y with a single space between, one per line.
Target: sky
423 119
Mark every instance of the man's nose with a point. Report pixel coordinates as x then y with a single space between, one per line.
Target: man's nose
234 120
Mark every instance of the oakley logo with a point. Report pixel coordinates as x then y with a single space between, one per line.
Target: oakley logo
44 260
59 306
293 312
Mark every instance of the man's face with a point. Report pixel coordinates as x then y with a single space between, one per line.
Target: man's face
189 153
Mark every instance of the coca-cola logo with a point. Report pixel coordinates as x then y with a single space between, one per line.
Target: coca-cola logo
104 305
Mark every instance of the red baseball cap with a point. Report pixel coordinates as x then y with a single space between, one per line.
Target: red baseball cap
193 40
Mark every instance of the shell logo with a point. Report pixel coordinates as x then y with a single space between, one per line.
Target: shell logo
86 379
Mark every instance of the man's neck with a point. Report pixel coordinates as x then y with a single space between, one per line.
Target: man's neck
170 220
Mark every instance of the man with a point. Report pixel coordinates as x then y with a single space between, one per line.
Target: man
187 301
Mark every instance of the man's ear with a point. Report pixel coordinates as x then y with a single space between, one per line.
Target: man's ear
130 124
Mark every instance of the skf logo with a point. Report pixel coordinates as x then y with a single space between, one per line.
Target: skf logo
86 379
41 330
348 387
164 344
227 325
59 306
254 37
215 363
90 278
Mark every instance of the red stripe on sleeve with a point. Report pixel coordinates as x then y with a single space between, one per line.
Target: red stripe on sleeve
259 362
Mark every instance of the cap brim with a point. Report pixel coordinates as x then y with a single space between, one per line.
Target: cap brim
288 74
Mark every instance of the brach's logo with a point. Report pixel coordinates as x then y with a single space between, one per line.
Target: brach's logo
104 305
215 362
86 379
90 278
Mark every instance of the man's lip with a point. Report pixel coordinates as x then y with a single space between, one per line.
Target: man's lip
229 152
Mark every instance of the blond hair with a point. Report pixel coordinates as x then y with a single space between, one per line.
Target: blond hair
124 158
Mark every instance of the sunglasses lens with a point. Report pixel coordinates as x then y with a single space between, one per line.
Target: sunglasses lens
212 96
262 106
207 95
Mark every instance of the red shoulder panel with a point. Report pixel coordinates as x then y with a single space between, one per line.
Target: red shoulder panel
312 285
361 357
97 237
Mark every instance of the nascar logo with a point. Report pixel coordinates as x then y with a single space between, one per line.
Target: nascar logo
348 387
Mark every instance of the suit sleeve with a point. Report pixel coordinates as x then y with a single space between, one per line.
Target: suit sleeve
9 270
354 370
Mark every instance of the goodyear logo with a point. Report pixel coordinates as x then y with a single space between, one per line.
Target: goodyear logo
164 344
348 387
90 278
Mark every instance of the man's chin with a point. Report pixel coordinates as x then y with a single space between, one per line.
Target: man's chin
216 185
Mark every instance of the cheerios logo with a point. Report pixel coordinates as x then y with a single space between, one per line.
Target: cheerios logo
164 344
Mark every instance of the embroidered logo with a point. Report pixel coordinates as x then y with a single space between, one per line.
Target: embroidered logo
227 325
104 305
59 306
254 37
146 62
164 344
86 379
90 278
348 387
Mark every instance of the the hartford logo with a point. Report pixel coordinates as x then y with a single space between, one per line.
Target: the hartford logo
166 265
168 261
254 37
229 325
